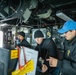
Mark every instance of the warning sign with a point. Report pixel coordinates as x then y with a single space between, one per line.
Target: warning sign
14 54
27 61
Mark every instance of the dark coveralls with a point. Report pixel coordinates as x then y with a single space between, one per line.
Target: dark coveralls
24 43
47 48
68 64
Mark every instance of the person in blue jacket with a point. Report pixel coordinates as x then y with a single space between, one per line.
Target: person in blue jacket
68 63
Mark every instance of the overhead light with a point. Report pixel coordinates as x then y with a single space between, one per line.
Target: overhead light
63 16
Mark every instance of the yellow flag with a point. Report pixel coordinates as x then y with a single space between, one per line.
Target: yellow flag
26 69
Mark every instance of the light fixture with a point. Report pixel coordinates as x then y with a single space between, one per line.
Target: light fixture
63 16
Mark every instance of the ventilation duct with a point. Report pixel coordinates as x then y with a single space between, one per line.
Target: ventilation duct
45 15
